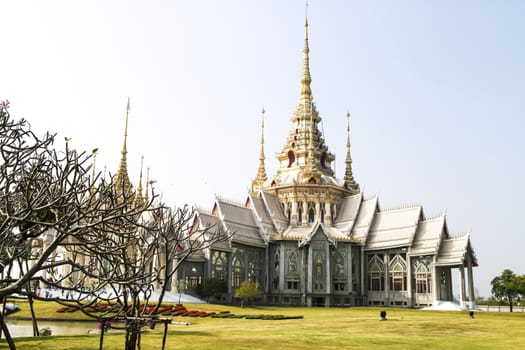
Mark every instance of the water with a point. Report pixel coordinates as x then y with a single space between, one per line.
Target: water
25 328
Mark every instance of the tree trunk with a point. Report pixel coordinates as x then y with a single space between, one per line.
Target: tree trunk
132 338
510 303
33 316
5 330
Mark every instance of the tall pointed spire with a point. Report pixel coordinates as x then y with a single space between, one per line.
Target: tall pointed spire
305 158
350 183
122 182
261 172
306 79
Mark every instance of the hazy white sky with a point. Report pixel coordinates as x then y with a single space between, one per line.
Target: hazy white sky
435 89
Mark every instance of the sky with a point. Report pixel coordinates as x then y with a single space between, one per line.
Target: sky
435 90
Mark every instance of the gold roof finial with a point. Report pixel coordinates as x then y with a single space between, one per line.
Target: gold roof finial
261 172
350 183
122 178
146 196
138 198
306 79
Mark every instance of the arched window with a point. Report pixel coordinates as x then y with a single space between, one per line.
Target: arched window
311 212
423 278
219 261
376 273
398 273
322 213
253 270
236 271
291 158
300 212
289 211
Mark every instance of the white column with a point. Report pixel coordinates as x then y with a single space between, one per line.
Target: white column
328 213
282 266
435 281
461 286
328 271
409 282
305 212
350 271
472 297
363 269
293 216
310 269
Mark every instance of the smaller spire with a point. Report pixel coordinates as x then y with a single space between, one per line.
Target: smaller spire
350 183
146 196
122 178
138 198
261 172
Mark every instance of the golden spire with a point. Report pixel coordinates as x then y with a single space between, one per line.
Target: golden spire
261 172
122 178
146 197
305 157
138 198
306 79
349 178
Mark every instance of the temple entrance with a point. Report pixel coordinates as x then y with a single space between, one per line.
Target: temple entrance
318 301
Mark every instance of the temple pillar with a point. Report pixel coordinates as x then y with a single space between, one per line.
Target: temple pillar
461 286
386 263
328 213
409 282
350 270
305 212
362 271
309 286
328 271
282 266
472 297
435 282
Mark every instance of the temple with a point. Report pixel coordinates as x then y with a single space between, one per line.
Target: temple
308 238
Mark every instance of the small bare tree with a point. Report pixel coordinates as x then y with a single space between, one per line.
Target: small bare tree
137 263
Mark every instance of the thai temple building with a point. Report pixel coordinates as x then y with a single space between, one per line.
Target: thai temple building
310 238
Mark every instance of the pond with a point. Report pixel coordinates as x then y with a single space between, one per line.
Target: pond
24 328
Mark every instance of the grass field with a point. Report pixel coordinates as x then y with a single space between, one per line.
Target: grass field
321 328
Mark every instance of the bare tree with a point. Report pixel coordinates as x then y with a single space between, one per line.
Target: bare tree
137 266
95 240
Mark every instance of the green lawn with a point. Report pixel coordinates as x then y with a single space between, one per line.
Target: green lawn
321 328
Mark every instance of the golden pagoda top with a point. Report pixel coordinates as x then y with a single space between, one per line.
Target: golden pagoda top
122 182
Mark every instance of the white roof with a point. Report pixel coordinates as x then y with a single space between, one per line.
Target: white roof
393 228
453 251
428 236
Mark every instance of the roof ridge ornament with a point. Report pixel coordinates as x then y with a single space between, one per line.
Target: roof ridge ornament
306 79
350 182
122 179
261 177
